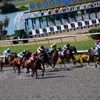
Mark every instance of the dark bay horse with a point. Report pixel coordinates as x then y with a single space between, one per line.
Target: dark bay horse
44 59
35 65
68 55
91 55
9 59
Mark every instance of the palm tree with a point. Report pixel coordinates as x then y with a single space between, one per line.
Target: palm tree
1 24
6 22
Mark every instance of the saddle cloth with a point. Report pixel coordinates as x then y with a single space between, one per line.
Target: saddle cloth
95 51
4 61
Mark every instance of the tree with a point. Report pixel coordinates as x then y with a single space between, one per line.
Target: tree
3 25
6 22
4 2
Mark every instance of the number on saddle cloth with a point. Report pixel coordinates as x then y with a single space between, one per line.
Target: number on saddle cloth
96 51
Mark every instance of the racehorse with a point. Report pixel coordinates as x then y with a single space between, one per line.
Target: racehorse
36 64
43 58
93 52
18 61
9 59
53 57
68 55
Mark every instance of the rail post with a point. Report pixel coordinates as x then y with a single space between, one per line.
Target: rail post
61 40
35 42
89 38
48 41
23 44
11 44
75 39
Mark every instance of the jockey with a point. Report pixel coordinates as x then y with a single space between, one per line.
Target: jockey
52 47
59 48
97 43
65 48
7 53
40 49
34 56
21 54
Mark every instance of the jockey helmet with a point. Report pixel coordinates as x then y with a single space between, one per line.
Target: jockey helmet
24 51
65 47
54 44
8 50
42 47
35 53
68 45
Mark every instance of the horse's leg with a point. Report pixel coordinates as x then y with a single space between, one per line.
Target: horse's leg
32 71
35 70
2 67
18 69
89 60
27 69
63 63
42 72
43 66
14 68
49 63
73 60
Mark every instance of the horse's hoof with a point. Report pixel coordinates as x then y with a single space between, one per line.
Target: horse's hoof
95 66
68 68
32 75
27 72
74 63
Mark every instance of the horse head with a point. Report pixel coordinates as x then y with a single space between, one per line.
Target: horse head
27 54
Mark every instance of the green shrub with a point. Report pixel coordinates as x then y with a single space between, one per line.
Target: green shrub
95 30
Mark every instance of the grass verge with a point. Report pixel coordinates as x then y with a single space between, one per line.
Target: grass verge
81 45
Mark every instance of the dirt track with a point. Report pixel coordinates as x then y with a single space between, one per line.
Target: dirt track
78 83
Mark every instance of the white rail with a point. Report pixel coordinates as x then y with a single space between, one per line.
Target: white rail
48 38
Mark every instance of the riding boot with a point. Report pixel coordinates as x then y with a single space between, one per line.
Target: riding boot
5 59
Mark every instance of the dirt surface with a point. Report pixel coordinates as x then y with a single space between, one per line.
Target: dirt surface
78 83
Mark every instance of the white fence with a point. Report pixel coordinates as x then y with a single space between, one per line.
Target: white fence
48 38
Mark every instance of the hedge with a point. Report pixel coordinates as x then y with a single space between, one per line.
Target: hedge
95 30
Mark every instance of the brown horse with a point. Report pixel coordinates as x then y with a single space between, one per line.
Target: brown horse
42 56
54 58
17 62
91 55
37 65
9 59
68 55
